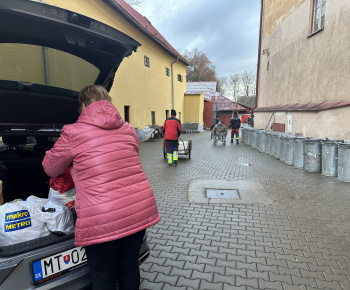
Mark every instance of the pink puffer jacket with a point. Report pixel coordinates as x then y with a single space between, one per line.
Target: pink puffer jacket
114 198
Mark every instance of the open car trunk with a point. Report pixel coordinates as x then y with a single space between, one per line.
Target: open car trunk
47 54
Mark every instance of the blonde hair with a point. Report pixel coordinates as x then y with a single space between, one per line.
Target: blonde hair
92 93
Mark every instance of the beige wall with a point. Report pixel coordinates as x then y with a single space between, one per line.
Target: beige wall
323 124
143 89
194 107
304 69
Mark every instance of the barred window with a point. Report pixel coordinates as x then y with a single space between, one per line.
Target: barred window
147 61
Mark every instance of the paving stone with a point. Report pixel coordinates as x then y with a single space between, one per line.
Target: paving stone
214 269
252 282
328 284
188 283
269 285
181 272
286 286
173 263
258 275
159 269
194 266
150 285
280 278
168 279
304 281
209 285
202 275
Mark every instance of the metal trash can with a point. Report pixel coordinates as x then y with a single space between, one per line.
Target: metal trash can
283 147
244 134
344 162
278 145
289 149
330 157
262 140
248 136
268 142
272 143
298 154
312 155
254 138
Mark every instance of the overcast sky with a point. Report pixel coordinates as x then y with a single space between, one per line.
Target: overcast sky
226 30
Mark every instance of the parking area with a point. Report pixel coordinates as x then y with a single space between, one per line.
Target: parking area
296 236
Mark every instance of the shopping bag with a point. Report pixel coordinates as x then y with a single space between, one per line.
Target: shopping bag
58 218
19 223
65 199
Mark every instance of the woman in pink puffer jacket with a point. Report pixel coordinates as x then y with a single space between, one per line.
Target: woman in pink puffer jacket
114 199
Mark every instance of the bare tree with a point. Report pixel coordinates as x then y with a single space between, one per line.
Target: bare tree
134 2
235 84
201 68
222 86
248 83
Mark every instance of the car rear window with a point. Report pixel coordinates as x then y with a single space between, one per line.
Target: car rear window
45 66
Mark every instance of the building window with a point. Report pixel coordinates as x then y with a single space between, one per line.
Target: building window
147 61
180 78
319 11
167 71
166 114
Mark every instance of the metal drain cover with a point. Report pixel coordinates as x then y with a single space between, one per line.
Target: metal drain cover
222 193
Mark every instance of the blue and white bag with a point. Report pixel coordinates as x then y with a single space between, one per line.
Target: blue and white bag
19 223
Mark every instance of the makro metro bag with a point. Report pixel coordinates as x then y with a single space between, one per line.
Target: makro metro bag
19 223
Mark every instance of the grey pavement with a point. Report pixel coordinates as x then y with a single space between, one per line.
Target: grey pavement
300 239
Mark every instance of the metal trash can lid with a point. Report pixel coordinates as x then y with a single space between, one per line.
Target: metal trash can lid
344 145
331 141
312 140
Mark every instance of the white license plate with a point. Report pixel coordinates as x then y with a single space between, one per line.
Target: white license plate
59 264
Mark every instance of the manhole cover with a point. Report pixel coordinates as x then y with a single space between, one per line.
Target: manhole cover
222 193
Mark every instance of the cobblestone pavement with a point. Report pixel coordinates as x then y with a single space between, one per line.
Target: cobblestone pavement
300 241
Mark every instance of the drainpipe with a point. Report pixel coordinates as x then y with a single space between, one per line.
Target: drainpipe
172 81
258 65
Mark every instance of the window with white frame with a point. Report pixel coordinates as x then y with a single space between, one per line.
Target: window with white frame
147 61
318 16
180 78
167 71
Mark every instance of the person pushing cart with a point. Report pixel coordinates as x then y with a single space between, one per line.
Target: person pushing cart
172 131
235 124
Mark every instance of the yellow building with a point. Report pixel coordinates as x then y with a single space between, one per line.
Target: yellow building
151 81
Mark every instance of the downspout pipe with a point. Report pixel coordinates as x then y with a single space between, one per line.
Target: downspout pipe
258 64
172 82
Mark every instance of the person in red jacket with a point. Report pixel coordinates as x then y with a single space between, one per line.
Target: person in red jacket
172 131
114 199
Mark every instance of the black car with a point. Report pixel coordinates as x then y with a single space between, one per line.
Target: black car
47 54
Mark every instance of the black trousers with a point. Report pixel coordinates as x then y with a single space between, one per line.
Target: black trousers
118 258
168 145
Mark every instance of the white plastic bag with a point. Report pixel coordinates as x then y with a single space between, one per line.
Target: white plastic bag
19 223
65 199
57 218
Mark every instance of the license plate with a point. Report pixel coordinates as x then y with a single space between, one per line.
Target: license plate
59 264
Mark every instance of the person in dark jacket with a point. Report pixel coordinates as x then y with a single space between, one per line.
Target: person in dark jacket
172 131
235 124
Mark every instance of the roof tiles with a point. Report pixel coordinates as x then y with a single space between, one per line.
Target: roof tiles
144 23
304 106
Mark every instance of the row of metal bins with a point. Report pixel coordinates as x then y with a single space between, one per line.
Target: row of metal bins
330 157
